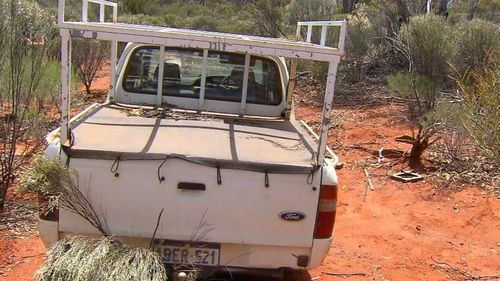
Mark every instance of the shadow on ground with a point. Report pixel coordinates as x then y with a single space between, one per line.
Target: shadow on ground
288 276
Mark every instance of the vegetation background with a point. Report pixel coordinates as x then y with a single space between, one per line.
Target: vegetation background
443 64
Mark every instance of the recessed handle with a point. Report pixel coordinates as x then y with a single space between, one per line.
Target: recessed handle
191 186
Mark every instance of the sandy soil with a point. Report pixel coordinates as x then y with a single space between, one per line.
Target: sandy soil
400 232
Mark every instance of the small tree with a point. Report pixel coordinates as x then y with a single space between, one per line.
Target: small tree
88 57
25 38
420 95
424 45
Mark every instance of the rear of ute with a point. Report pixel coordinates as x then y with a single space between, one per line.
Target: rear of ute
237 223
226 217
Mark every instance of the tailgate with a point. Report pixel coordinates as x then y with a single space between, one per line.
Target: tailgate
241 209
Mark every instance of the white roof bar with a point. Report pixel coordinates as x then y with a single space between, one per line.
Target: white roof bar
324 28
102 6
202 39
195 39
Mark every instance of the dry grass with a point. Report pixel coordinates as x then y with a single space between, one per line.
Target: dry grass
81 258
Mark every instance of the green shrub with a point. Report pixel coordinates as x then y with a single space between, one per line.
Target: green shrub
476 46
205 23
420 91
308 10
142 6
47 90
481 108
141 19
26 36
425 43
360 34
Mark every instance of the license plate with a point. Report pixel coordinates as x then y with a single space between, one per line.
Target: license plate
178 252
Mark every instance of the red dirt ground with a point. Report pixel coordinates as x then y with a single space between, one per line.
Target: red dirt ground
396 234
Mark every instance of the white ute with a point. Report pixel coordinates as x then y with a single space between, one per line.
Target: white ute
201 125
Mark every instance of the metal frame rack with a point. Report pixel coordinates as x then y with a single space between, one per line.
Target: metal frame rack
162 36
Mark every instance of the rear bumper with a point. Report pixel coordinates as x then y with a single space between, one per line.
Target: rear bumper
49 232
231 255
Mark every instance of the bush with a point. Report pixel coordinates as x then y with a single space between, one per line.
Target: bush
205 23
481 110
26 33
48 91
420 92
360 34
141 19
485 9
107 258
142 6
308 10
425 43
476 46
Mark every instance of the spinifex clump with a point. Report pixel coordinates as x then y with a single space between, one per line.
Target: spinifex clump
82 258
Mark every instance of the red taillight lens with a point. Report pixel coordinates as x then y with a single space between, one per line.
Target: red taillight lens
326 212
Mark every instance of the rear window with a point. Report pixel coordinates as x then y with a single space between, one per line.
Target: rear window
183 70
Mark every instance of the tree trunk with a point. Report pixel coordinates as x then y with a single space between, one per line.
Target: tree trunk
348 6
2 198
403 12
417 150
420 144
471 9
87 89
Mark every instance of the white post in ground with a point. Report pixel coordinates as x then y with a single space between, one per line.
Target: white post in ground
65 84
429 6
327 109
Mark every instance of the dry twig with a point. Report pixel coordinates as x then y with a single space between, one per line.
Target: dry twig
465 275
344 275
368 180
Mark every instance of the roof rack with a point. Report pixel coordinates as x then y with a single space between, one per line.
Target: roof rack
111 30
105 30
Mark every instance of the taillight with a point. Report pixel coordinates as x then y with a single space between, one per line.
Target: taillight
326 212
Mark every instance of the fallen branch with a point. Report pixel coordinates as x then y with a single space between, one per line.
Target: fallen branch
366 193
343 275
467 276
